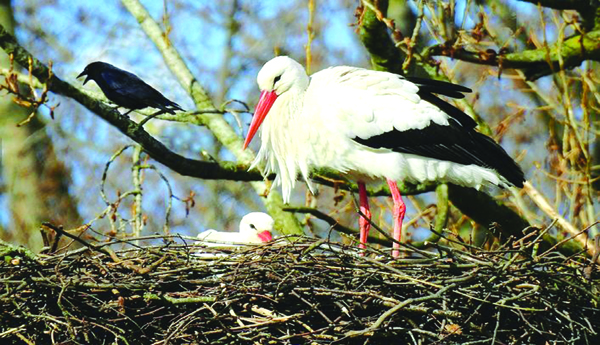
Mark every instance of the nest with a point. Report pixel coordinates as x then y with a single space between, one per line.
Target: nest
308 291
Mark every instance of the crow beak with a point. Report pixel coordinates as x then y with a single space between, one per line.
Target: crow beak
84 73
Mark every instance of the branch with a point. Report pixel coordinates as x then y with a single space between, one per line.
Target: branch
589 10
562 4
373 34
535 63
333 179
214 122
486 211
154 148
335 224
545 206
379 322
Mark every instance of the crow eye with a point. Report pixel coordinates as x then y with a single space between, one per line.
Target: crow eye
277 78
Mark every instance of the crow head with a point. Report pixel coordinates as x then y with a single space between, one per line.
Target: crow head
93 70
85 73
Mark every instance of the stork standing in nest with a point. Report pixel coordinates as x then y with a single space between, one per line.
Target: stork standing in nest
370 125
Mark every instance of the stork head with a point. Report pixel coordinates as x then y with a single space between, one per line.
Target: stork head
257 224
278 76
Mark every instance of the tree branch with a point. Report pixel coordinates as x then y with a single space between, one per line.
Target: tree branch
562 4
373 34
154 148
485 210
373 238
535 63
589 10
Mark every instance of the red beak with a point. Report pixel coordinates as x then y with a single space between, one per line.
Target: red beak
267 98
265 236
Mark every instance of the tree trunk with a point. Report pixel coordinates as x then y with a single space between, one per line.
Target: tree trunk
36 181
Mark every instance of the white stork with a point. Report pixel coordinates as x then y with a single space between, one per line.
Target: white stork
255 227
370 125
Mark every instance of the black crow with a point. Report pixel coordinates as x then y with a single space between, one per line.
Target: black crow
126 89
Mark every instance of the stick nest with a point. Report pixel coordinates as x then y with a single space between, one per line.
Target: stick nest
309 291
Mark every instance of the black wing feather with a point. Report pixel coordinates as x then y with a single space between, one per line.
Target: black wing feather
429 87
449 109
454 143
440 87
128 90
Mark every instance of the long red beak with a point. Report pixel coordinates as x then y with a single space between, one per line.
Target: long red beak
265 236
267 98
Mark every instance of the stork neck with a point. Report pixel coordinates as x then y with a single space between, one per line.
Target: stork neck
280 126
301 83
285 108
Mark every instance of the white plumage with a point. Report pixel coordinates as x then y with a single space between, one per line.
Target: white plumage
369 125
255 227
317 119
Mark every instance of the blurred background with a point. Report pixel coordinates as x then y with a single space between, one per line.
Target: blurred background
52 168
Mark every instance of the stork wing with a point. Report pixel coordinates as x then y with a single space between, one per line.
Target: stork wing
365 103
450 143
429 87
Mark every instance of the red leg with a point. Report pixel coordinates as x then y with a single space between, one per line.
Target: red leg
364 224
399 211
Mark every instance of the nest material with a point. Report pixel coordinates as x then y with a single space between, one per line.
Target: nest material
306 292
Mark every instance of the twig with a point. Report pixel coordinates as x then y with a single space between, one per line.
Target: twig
333 223
543 204
396 308
136 174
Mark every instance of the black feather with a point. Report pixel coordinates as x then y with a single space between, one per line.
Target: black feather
125 89
440 87
455 143
429 87
449 109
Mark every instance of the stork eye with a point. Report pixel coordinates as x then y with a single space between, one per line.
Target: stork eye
277 78
252 226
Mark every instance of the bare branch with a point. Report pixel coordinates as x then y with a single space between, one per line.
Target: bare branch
562 4
535 63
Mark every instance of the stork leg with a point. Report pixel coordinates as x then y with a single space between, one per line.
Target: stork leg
399 211
364 223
